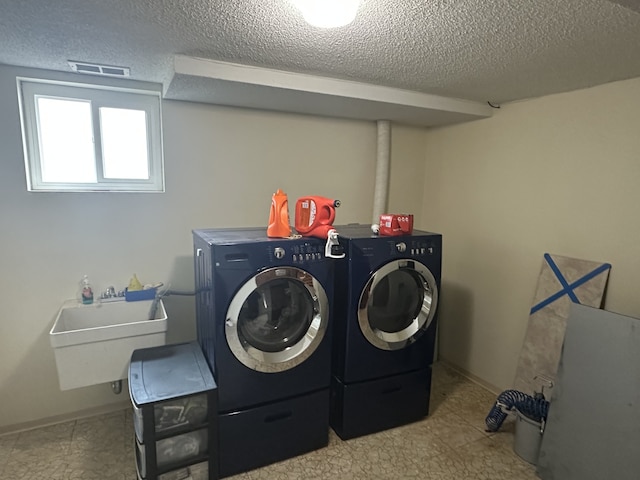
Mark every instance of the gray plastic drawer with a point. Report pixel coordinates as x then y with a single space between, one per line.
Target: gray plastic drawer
176 449
176 414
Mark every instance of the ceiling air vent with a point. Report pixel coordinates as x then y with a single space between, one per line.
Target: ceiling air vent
97 69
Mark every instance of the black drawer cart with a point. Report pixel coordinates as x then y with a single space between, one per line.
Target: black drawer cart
174 399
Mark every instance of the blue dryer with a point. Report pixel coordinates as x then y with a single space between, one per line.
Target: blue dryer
386 299
262 309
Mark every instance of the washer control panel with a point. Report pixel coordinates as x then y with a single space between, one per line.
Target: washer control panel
299 254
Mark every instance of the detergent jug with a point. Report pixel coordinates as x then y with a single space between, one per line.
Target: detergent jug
393 224
279 216
315 216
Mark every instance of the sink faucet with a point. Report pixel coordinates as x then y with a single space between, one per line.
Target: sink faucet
109 293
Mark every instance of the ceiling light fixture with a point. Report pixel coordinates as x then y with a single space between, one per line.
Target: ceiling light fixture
328 13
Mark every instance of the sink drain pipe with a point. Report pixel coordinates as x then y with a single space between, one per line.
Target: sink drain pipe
383 161
116 387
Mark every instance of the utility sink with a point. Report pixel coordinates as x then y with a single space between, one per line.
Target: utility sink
93 343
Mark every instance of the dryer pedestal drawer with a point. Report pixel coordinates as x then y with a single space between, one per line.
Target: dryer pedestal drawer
372 406
259 436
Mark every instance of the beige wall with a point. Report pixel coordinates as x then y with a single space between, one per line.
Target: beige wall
559 174
406 171
222 166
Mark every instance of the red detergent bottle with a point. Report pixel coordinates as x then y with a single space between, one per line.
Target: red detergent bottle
279 216
315 216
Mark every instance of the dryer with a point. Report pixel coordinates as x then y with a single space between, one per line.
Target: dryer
263 321
386 300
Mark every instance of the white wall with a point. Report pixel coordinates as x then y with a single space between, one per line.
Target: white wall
222 165
559 174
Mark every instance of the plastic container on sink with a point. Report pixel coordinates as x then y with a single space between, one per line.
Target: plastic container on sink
137 295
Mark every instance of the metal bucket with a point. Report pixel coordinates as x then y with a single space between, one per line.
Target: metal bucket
528 438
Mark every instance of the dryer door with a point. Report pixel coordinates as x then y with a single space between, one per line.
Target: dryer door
397 304
277 319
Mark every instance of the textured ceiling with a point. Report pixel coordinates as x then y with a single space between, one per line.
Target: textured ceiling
482 50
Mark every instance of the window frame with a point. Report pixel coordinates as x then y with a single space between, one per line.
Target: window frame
99 96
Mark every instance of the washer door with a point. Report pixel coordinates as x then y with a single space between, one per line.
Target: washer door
277 319
397 304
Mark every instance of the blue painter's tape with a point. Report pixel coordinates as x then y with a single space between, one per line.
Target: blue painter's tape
560 277
568 289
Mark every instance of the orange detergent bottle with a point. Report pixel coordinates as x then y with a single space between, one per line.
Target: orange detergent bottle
315 216
279 216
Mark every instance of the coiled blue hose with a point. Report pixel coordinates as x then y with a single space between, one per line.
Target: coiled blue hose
536 408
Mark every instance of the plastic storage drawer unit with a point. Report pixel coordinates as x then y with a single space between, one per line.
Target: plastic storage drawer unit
174 415
199 471
174 399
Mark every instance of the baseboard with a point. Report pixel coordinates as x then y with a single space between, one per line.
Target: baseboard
114 407
475 379
67 417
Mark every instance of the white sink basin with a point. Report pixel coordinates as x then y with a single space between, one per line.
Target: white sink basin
93 343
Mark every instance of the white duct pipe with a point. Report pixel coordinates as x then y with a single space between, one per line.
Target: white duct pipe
383 160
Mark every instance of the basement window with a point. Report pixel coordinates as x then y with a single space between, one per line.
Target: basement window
87 138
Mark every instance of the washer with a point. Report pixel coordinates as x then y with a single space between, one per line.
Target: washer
387 291
263 321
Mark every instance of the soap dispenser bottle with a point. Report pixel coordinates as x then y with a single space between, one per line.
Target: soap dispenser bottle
86 292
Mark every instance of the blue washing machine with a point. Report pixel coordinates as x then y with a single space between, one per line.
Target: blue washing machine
263 321
386 300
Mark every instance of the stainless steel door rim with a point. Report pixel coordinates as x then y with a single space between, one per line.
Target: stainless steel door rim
291 354
416 323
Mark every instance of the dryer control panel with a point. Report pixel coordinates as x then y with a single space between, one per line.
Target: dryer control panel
413 246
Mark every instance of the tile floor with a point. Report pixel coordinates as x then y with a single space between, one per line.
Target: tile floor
449 444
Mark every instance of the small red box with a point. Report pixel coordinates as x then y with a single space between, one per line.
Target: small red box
394 224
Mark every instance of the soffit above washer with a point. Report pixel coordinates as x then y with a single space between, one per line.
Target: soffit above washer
222 83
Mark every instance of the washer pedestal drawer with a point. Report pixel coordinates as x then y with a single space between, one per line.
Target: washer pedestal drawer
259 436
